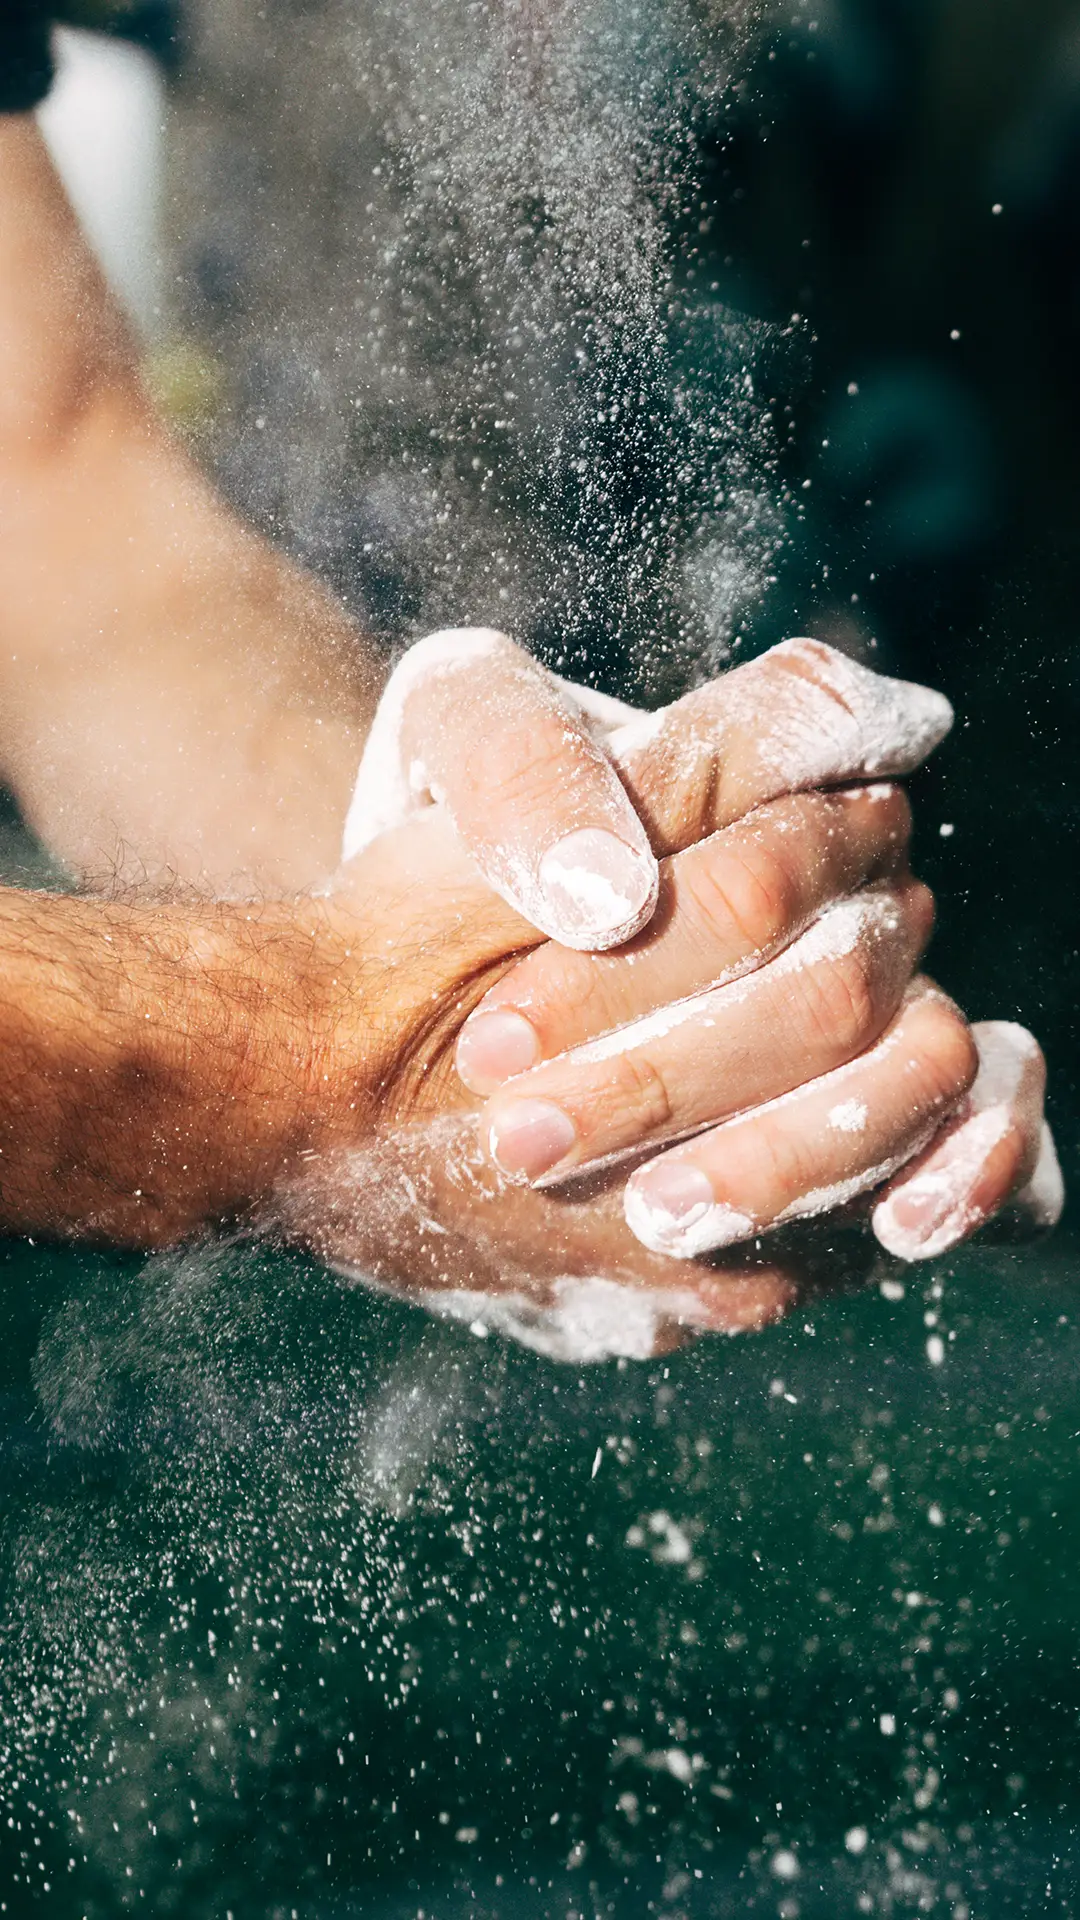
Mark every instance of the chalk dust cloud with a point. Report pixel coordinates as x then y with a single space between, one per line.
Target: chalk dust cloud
447 258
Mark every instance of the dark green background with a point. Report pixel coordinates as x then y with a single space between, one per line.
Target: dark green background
454 1672
311 1605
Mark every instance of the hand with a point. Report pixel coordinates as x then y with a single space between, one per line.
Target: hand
565 797
398 1188
413 1205
700 764
109 751
422 1212
172 1065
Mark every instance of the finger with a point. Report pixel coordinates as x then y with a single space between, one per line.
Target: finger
421 1211
824 1000
997 1148
800 716
726 906
588 1317
816 1148
469 721
602 711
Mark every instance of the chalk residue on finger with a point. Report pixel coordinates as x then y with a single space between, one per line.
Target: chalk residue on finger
592 881
833 719
714 1225
580 1320
864 919
1043 1198
939 1205
683 1217
705 1227
386 791
594 891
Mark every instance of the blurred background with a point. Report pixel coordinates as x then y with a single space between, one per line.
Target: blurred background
318 1609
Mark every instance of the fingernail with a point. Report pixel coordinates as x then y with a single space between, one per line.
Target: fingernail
599 891
933 1211
925 1218
672 1208
912 1215
531 1137
493 1046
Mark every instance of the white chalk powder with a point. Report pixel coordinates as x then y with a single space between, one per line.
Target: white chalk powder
588 1320
596 898
598 885
993 1108
833 934
700 1231
1043 1198
386 792
843 722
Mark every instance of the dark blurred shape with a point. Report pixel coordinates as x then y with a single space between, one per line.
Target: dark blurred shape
150 23
25 61
907 178
915 445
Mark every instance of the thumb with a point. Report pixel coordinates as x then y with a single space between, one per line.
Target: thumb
468 721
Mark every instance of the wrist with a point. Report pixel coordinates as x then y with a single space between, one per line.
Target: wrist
277 1059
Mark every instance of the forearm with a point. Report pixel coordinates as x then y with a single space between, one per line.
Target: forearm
174 698
64 342
174 695
159 1064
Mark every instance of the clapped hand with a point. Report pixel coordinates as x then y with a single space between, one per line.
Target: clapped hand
770 988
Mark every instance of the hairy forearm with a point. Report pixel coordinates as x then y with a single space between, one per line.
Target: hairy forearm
176 696
160 1064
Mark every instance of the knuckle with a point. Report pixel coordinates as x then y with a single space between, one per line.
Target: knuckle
641 1093
772 1161
562 991
525 764
840 1002
945 1056
748 890
804 661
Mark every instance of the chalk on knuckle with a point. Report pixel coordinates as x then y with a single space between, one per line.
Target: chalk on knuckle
823 716
386 792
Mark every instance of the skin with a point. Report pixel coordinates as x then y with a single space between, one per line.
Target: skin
137 609
171 1065
186 1062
